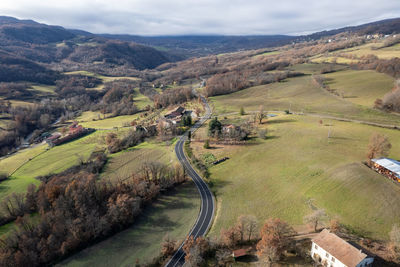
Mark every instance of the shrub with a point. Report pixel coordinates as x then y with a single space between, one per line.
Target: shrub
3 176
207 144
241 112
262 133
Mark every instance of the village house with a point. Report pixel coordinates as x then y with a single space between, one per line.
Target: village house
388 167
330 250
176 115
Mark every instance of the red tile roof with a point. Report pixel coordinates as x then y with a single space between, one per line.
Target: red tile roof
239 252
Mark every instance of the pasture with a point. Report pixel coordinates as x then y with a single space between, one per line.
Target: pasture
298 95
297 168
11 163
122 164
373 49
360 87
86 120
55 160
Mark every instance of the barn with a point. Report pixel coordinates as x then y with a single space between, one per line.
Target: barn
388 167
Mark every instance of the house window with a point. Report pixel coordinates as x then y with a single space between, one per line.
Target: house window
315 246
327 255
333 259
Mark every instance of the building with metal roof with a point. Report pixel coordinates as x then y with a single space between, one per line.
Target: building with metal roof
387 167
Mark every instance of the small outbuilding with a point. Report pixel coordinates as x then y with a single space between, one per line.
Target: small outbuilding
241 253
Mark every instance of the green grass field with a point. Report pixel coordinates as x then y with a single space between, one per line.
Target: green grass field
361 87
122 164
173 213
86 121
104 78
271 53
11 163
314 68
383 53
298 95
55 160
331 59
297 164
48 89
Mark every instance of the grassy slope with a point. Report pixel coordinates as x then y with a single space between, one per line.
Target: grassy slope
361 87
383 53
109 123
298 94
10 164
359 51
271 178
121 165
173 213
54 160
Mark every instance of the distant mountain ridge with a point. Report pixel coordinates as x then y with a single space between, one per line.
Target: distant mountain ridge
35 47
29 49
200 45
29 31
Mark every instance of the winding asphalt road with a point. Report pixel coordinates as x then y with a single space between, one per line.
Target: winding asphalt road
206 214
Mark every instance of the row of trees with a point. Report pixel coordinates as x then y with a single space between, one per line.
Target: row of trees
75 209
173 97
273 239
132 138
234 81
26 119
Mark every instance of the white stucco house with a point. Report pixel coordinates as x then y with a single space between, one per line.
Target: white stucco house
331 251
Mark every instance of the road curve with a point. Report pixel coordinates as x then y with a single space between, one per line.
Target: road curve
206 213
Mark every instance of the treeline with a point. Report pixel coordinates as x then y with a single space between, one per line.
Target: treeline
234 81
372 62
272 242
25 120
118 99
173 97
70 85
132 138
15 91
77 209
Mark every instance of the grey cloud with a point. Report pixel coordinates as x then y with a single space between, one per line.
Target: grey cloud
174 17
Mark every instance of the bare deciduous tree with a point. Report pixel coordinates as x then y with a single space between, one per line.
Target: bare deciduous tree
168 246
378 146
276 237
315 218
260 114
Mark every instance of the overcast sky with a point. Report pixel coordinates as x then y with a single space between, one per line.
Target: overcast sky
177 17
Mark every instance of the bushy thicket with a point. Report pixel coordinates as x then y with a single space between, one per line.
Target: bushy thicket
76 209
173 97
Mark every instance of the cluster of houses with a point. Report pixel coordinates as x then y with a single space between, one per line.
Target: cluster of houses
176 115
74 131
